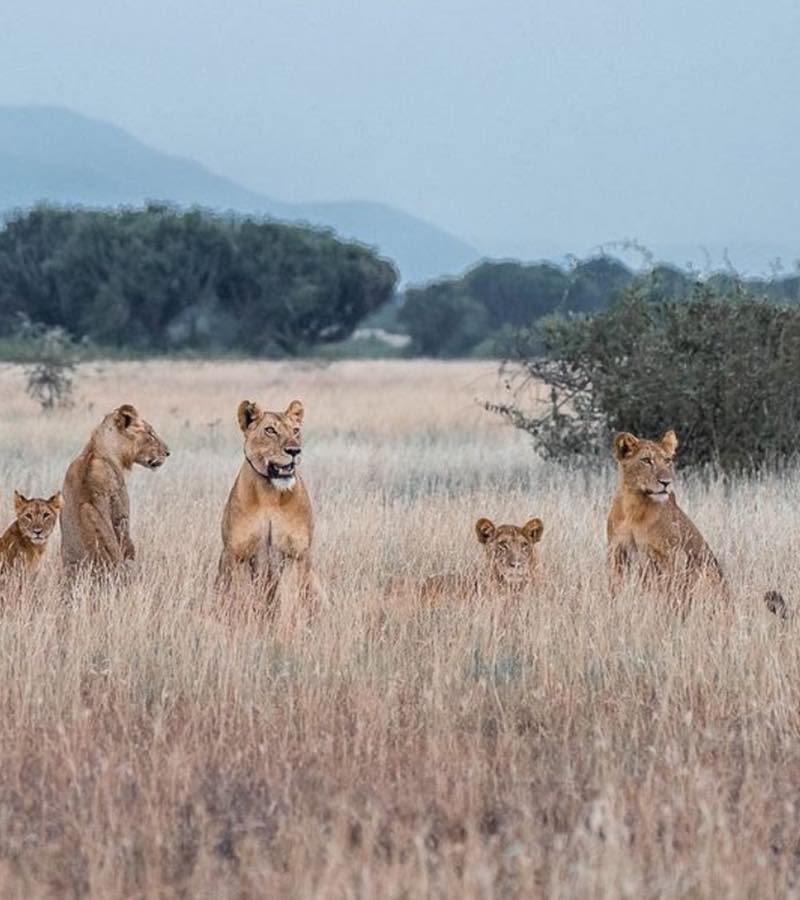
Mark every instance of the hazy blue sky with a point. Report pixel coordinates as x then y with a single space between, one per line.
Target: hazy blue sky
505 121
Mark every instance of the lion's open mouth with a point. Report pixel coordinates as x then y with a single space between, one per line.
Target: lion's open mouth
276 471
154 463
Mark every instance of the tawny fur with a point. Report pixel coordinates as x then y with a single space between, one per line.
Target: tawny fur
95 522
268 522
509 565
646 529
24 542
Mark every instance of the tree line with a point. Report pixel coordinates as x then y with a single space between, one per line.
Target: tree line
158 279
481 310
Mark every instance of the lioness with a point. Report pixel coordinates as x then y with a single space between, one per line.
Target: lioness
511 552
510 564
23 543
268 524
646 526
95 521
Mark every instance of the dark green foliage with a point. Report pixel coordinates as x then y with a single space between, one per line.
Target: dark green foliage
160 279
442 319
594 284
516 294
495 295
722 369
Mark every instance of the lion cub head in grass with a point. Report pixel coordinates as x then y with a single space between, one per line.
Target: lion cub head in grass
512 554
133 440
36 518
647 467
272 441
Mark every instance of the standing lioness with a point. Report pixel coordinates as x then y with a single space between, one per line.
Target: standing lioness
95 519
268 524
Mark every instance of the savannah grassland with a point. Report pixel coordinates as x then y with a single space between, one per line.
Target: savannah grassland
569 744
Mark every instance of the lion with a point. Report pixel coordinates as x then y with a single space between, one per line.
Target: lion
648 531
510 565
23 543
268 522
511 552
95 529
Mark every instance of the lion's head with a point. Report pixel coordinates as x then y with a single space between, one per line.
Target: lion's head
272 441
511 551
37 518
132 439
646 467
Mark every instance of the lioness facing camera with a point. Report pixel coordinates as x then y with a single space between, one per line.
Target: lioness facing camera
268 523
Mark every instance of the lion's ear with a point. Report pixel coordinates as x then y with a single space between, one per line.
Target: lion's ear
485 528
247 413
56 501
295 411
20 502
669 441
625 445
125 416
533 529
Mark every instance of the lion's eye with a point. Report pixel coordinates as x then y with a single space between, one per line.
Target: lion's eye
270 431
295 431
647 460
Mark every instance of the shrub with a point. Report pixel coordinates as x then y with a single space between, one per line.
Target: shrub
52 356
722 369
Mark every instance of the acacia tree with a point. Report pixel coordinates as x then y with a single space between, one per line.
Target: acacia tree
158 278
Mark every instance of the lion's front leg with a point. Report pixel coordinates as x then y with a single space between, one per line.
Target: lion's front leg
619 562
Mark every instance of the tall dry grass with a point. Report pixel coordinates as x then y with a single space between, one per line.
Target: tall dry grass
568 745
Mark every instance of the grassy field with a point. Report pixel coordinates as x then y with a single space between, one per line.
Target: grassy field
570 744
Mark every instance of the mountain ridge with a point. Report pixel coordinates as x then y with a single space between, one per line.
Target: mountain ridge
52 154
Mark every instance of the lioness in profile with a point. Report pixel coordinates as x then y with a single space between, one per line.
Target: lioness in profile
95 527
23 543
268 524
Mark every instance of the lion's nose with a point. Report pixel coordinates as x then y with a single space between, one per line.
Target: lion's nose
665 482
292 451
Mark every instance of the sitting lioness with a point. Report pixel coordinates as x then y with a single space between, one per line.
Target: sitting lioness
646 527
23 543
268 524
95 527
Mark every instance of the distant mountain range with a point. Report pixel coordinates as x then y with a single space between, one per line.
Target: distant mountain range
55 155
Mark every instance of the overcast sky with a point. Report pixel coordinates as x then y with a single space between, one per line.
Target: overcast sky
504 121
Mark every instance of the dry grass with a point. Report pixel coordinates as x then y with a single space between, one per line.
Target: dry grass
571 745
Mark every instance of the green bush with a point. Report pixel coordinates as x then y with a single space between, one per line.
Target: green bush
722 369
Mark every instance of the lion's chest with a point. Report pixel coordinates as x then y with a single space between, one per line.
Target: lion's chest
269 537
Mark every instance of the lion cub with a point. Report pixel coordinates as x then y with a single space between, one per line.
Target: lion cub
94 523
510 563
23 543
646 527
268 523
